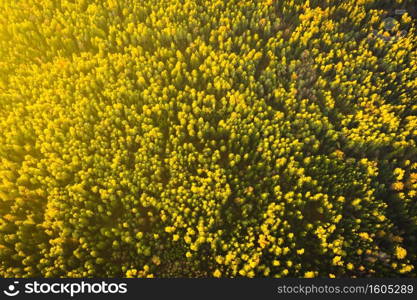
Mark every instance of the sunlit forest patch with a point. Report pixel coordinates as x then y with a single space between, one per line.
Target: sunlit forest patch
197 138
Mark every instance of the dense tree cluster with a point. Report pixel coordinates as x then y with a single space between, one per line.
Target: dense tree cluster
199 138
